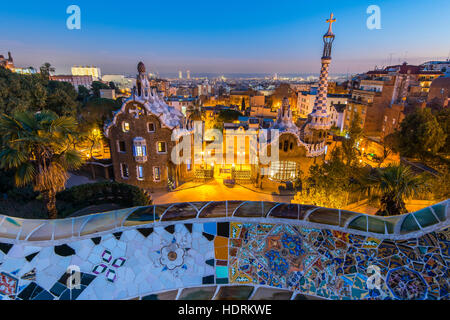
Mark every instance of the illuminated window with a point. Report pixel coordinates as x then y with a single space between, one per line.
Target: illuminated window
140 172
125 126
124 170
156 174
162 147
140 149
283 171
188 165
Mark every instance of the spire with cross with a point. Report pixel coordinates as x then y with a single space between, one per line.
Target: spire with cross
319 118
330 21
328 38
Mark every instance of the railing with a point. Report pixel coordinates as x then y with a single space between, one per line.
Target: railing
404 226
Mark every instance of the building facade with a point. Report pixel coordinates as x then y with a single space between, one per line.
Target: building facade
140 136
7 63
76 81
92 71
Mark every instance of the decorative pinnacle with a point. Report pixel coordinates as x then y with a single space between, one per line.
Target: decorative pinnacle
330 21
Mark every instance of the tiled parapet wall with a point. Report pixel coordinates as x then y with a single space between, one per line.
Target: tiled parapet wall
218 249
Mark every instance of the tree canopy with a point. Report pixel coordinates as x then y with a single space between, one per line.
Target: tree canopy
420 134
35 93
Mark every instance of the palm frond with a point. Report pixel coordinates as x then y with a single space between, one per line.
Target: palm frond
25 174
70 159
63 125
12 158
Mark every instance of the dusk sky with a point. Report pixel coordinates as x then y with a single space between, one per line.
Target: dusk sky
223 36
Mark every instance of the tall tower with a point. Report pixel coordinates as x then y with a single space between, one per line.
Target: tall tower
320 119
315 130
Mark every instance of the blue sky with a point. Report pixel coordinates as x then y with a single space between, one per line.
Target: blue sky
281 36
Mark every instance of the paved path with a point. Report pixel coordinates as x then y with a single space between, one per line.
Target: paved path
215 191
76 180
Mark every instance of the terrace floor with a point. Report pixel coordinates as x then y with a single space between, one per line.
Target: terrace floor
214 191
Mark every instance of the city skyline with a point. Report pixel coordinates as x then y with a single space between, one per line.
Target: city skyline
267 38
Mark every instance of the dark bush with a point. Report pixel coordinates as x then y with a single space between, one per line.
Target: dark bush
24 194
103 192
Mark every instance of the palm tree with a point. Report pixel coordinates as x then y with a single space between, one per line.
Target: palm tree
39 147
46 70
393 185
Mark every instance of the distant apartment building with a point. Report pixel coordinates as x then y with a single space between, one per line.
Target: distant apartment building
439 94
76 81
244 98
369 102
204 89
305 103
92 71
29 70
172 91
299 87
338 115
108 94
383 97
161 85
416 76
7 63
262 112
186 91
392 117
182 104
257 101
442 66
119 80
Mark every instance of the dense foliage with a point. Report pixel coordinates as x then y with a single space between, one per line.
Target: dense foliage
333 184
35 93
421 134
84 195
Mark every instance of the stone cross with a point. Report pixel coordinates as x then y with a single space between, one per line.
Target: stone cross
331 20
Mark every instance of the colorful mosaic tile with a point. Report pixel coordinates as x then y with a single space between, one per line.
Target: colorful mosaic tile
315 262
